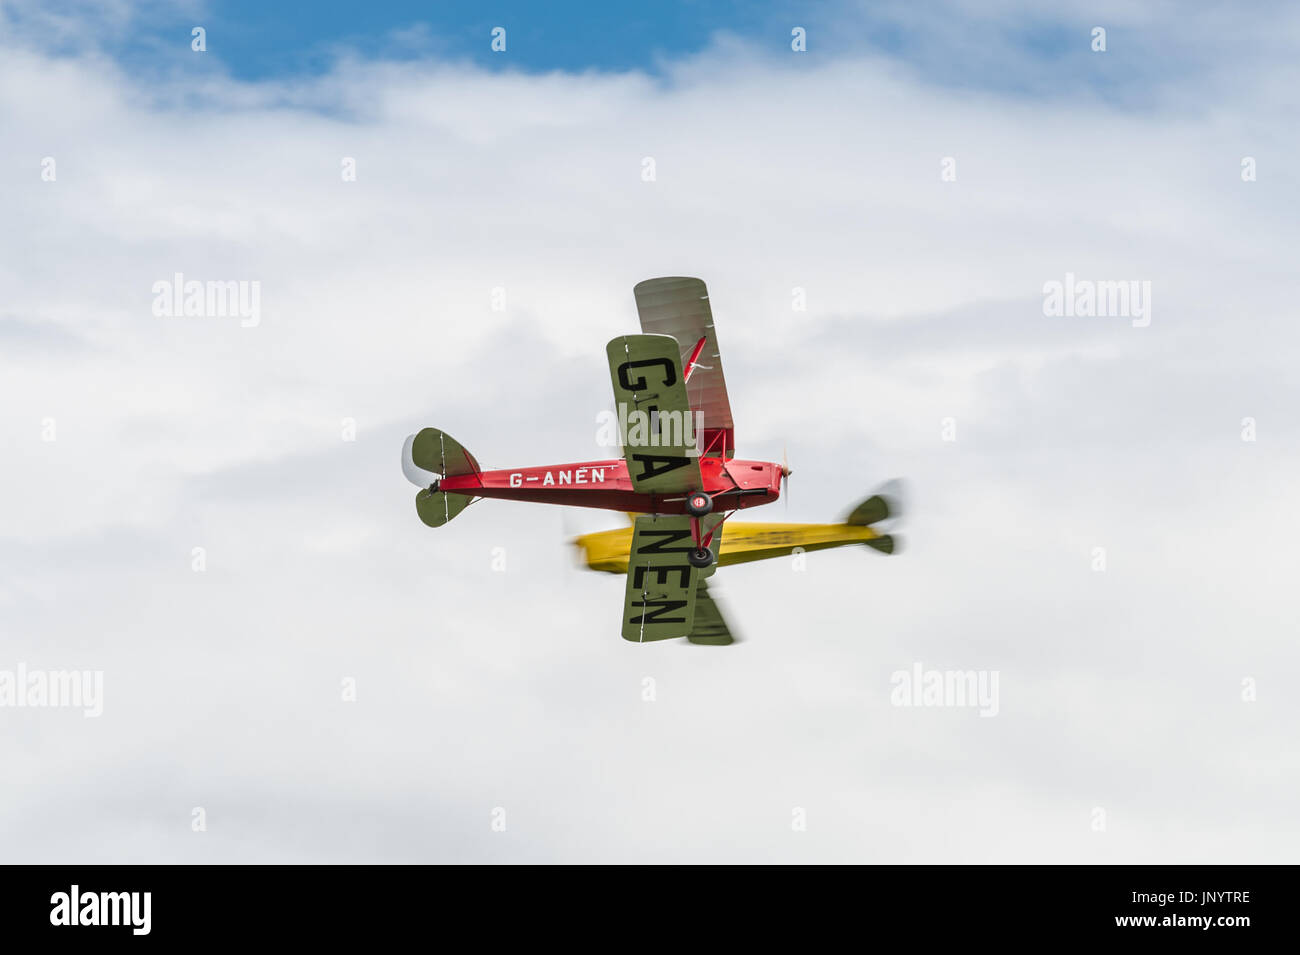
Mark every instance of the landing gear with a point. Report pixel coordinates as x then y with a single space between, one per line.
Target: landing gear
698 504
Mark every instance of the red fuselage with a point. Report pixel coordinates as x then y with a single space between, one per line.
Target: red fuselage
733 485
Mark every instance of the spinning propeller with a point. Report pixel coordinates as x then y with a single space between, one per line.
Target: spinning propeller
785 477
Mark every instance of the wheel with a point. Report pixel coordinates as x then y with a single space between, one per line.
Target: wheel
699 504
700 557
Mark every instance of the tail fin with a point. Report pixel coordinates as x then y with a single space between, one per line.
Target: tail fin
427 458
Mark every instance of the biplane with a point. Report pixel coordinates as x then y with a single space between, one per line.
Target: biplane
678 473
610 550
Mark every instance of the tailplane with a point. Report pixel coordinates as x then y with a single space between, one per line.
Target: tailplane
434 450
427 458
885 504
438 507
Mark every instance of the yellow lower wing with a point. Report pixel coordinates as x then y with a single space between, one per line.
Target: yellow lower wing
608 550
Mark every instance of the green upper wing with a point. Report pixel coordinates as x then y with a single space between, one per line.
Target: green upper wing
659 602
680 307
655 421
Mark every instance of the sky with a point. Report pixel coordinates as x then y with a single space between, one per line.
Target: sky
208 510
